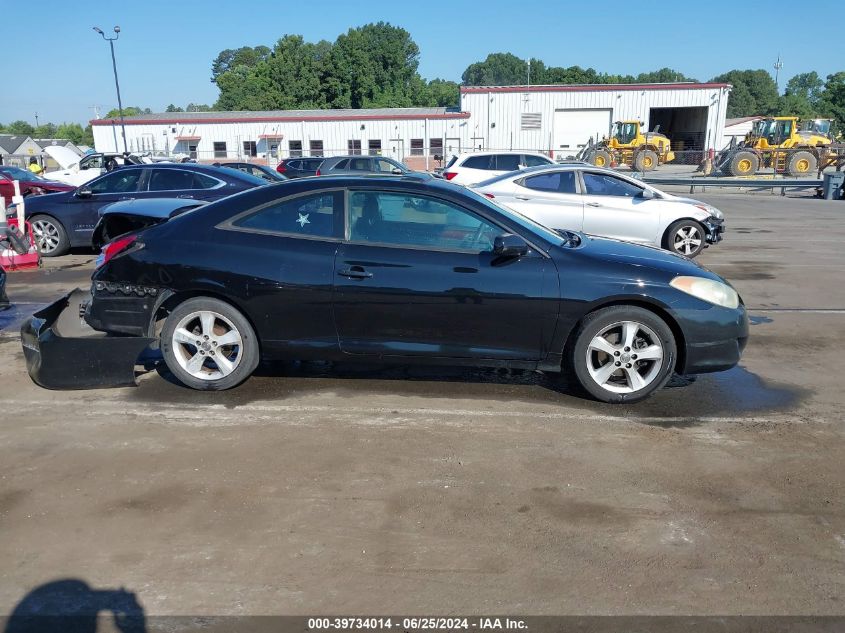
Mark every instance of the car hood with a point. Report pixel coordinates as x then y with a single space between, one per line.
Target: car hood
62 155
639 255
150 207
696 203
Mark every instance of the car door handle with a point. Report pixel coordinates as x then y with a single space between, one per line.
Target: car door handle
126 198
522 197
356 272
185 196
593 204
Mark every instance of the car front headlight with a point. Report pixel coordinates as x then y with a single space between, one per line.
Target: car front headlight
711 211
709 290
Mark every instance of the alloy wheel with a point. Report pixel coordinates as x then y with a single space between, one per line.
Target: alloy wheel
207 345
625 357
46 235
686 240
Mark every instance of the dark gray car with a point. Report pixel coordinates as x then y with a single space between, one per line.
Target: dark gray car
353 165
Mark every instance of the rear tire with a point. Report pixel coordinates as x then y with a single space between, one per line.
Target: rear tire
50 235
645 160
601 158
743 163
802 163
209 345
622 354
685 237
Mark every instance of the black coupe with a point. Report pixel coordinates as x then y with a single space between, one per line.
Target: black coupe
410 270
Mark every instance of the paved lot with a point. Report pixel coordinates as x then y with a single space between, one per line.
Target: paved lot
358 490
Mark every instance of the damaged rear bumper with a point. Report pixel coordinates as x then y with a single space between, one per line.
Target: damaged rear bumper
62 352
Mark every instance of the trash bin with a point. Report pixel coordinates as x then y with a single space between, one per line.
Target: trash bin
832 186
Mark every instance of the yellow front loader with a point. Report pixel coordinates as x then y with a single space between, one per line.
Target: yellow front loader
628 145
779 143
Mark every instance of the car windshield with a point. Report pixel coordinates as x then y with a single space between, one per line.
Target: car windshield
16 173
526 223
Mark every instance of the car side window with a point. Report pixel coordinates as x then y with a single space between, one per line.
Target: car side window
384 166
478 162
556 182
402 219
507 162
342 164
201 181
170 180
529 160
117 182
607 185
315 215
359 164
91 162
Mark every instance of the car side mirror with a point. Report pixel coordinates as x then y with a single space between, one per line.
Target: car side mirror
647 194
84 192
396 171
509 245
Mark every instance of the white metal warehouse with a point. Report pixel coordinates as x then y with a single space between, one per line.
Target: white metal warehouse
557 120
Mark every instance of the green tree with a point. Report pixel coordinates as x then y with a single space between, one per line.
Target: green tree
127 111
229 59
754 92
498 69
663 76
198 107
173 108
72 132
440 93
20 127
45 130
832 100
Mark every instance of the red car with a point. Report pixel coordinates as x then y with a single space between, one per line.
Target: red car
31 184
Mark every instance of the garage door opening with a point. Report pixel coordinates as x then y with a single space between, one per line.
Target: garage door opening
686 129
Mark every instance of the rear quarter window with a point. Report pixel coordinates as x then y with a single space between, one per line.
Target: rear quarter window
478 162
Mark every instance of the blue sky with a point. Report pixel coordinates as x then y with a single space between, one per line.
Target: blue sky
165 48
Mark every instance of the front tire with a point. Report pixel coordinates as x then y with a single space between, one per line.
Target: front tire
209 345
623 354
601 158
50 235
744 163
645 160
685 237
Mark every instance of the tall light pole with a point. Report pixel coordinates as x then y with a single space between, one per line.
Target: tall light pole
111 40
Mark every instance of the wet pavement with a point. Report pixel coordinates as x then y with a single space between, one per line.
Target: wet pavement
324 487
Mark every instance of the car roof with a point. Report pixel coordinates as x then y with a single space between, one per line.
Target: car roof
501 152
552 167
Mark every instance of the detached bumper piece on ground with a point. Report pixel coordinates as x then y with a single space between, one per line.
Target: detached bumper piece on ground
62 352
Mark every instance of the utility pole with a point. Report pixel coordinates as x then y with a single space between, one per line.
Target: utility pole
778 65
36 119
111 40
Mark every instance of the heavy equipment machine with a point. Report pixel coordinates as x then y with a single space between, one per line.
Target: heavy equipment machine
628 145
778 143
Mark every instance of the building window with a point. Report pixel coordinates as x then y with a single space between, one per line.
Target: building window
417 145
374 147
274 150
295 148
316 148
354 147
219 149
192 150
530 121
250 149
435 146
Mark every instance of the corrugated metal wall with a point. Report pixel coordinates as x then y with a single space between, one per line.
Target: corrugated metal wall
495 116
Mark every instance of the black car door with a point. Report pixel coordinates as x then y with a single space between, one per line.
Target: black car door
417 276
282 261
87 200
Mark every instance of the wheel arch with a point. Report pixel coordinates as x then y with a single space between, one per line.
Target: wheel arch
638 302
665 234
169 300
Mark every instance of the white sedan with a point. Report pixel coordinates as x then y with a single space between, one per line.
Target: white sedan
602 202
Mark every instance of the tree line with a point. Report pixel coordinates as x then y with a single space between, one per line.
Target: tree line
375 65
73 132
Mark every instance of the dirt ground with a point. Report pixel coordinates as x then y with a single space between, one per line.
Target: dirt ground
358 490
